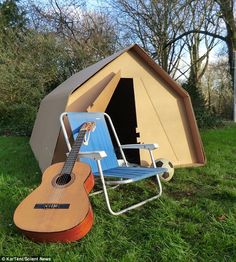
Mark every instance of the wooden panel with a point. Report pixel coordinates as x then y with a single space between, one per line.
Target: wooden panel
150 126
195 132
102 101
85 96
170 112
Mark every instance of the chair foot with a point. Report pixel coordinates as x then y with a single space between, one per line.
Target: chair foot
116 213
101 191
133 206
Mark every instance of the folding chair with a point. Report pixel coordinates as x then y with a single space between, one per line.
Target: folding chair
99 153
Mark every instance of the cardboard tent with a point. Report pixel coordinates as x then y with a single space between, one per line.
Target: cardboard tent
145 104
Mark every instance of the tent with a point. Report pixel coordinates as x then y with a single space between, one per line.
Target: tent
144 102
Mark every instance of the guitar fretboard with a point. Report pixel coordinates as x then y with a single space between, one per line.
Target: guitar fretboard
70 162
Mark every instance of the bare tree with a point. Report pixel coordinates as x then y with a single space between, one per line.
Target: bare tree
222 10
170 31
200 45
88 36
217 89
152 24
226 12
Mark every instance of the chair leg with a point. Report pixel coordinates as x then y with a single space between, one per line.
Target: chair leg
131 207
101 191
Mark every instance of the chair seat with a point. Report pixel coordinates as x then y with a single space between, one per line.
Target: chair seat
130 174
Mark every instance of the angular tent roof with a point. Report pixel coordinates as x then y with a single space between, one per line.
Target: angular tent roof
47 127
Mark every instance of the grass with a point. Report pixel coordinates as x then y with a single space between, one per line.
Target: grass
195 220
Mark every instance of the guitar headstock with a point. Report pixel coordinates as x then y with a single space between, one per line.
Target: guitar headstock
89 126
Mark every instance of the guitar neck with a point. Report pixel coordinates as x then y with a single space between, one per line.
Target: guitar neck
72 157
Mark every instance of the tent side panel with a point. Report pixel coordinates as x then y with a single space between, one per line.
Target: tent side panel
195 132
150 125
167 124
46 129
194 142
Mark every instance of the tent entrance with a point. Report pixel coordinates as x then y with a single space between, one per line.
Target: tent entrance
121 109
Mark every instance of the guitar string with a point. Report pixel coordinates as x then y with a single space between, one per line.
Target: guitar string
70 162
56 197
68 165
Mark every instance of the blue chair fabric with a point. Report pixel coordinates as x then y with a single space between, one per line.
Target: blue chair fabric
100 140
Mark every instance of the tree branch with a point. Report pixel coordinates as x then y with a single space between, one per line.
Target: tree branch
195 31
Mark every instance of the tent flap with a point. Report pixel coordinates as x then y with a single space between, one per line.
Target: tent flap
102 101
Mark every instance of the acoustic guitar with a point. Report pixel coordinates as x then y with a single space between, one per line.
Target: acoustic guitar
59 209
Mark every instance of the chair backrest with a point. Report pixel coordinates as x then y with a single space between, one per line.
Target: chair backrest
99 140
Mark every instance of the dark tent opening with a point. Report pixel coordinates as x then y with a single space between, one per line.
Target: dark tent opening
121 109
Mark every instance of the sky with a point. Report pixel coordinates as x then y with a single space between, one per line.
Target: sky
92 4
95 4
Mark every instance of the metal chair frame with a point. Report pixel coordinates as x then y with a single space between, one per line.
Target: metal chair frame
99 155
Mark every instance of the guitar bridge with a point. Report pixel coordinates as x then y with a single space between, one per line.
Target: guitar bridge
51 206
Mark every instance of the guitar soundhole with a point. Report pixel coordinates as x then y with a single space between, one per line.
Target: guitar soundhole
63 179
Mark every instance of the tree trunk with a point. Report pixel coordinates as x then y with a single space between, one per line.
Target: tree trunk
231 44
227 12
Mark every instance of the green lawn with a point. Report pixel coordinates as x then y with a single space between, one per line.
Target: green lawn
195 220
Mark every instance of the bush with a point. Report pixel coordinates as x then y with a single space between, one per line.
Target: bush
16 119
205 118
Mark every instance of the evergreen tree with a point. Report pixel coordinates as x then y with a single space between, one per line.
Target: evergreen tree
205 118
12 16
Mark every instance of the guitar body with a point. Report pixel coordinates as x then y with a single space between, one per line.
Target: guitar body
58 211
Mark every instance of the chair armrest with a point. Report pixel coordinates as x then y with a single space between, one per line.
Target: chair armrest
96 155
140 146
